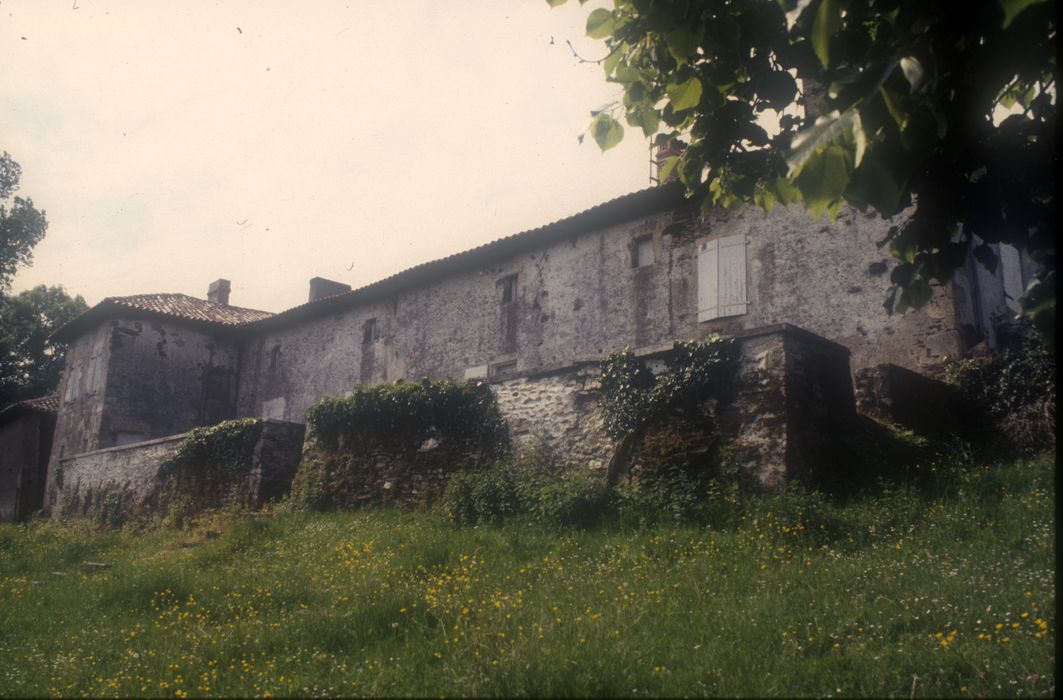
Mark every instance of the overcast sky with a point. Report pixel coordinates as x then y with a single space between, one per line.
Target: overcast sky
269 141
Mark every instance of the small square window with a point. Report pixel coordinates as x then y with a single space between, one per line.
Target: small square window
643 252
504 369
509 288
370 331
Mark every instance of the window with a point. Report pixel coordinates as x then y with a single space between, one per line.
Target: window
509 288
274 356
503 369
370 331
94 368
642 252
73 383
722 278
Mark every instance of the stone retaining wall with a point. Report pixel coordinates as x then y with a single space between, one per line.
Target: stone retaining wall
130 477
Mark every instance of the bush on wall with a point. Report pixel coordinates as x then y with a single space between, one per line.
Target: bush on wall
209 468
394 442
667 439
407 410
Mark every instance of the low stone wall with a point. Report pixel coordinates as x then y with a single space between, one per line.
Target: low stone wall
560 410
791 392
897 395
125 481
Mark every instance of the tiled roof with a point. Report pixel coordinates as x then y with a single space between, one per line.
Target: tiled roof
625 208
44 404
191 308
179 306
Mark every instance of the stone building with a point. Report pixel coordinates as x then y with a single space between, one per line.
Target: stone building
641 271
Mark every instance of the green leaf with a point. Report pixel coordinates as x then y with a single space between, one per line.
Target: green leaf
919 293
555 3
913 71
685 95
612 60
600 23
873 184
859 139
823 178
607 132
899 106
681 43
667 167
1012 8
646 117
827 129
828 20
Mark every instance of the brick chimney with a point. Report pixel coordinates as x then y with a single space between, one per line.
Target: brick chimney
673 147
321 287
218 291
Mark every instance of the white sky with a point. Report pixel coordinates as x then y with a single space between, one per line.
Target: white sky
270 141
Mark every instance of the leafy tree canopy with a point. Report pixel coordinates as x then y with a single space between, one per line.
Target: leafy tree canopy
29 365
21 225
908 122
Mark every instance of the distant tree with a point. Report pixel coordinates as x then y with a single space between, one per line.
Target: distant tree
908 123
21 225
29 365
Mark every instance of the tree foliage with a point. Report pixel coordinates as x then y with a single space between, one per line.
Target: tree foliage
21 225
909 122
29 364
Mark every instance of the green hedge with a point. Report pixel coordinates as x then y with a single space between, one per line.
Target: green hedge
408 411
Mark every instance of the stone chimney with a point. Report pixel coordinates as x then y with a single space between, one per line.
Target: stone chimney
674 147
321 287
218 291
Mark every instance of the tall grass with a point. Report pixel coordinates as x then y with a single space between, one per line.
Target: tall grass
904 594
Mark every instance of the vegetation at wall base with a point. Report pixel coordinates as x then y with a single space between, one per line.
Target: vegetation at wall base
396 442
914 593
208 471
1014 390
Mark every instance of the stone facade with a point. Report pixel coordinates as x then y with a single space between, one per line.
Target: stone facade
640 271
134 474
585 296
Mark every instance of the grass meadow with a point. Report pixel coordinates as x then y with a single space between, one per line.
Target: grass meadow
904 593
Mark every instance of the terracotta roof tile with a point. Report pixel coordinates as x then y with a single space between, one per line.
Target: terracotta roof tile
43 404
191 308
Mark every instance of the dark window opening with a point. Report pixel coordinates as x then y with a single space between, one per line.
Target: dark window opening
509 288
642 254
274 356
370 331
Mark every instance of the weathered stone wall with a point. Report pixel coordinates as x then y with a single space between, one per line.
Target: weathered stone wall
558 410
897 395
134 474
585 297
137 379
130 472
791 392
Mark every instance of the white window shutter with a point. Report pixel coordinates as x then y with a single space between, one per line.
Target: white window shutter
722 278
708 280
732 276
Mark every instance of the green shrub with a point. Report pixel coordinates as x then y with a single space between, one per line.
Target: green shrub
410 411
633 397
577 498
1015 389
